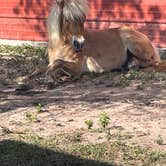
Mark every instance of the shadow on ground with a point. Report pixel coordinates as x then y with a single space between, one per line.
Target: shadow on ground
14 153
91 93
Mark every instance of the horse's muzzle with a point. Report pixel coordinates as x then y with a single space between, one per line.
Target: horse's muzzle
78 43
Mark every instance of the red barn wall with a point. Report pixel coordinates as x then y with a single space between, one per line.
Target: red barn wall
26 19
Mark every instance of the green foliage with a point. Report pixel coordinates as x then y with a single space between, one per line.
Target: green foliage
89 123
39 108
104 119
96 151
155 156
31 116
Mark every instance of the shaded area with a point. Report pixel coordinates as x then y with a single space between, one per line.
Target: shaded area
100 92
91 91
13 153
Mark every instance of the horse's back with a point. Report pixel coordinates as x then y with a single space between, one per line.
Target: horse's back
104 50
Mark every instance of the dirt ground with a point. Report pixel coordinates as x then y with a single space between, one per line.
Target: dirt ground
135 103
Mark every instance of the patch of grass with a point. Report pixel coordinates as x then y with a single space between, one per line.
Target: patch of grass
38 140
139 75
14 153
120 80
76 137
69 138
96 151
27 50
89 123
118 136
25 58
31 116
19 61
124 79
36 150
155 156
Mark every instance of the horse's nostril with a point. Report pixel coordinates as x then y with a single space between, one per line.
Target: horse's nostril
76 45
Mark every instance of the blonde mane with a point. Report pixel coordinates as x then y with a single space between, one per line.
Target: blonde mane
73 10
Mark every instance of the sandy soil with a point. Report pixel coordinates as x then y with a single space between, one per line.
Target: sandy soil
140 113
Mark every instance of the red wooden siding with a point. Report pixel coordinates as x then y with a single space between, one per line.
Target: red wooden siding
26 19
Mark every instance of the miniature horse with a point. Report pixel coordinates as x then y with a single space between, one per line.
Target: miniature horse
72 50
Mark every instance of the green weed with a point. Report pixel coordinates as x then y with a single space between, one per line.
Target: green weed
89 124
31 116
104 119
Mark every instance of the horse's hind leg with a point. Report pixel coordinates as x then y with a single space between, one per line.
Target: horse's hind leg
141 50
147 61
144 54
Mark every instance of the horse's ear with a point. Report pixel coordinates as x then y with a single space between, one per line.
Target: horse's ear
60 3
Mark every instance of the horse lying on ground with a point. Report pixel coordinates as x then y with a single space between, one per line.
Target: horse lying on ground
72 50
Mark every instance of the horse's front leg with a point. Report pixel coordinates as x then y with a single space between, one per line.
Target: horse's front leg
62 71
32 80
